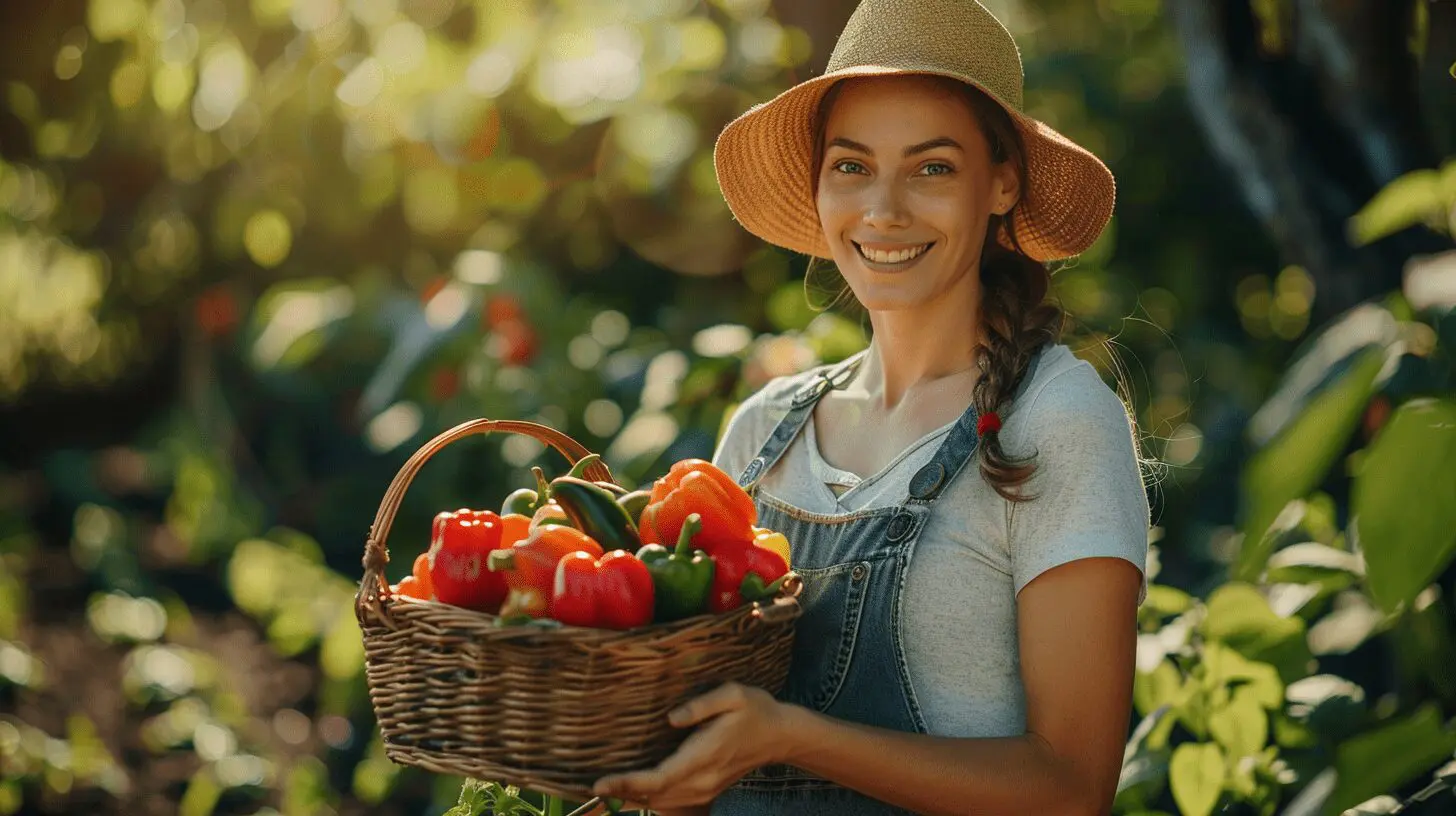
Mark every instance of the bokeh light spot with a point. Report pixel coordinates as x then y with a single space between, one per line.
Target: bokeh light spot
602 417
114 19
361 85
268 238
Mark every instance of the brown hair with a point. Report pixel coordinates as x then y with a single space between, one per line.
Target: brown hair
1018 318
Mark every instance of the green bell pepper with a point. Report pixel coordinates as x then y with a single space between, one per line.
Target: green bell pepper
682 577
525 502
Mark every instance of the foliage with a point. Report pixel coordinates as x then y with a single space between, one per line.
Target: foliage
280 244
1346 552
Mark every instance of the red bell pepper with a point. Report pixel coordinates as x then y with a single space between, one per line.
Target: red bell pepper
529 567
460 544
613 592
698 486
743 572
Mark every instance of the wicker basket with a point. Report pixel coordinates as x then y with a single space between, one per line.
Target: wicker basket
549 710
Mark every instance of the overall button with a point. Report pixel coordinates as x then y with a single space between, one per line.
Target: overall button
753 469
927 480
858 573
900 526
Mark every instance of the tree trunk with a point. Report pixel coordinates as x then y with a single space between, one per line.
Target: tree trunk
1313 115
822 20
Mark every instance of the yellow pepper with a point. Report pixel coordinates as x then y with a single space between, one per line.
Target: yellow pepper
770 540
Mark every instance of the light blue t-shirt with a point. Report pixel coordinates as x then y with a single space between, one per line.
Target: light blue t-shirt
977 550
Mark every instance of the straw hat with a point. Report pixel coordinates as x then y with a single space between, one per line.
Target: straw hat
762 158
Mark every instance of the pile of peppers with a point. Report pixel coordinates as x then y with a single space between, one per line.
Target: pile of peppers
584 553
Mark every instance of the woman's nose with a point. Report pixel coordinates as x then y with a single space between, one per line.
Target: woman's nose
884 206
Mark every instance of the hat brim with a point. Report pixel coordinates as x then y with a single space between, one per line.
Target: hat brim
763 158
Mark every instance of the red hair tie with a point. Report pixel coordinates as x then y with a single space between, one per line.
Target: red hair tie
989 421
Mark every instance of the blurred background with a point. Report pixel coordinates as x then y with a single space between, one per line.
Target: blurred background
254 253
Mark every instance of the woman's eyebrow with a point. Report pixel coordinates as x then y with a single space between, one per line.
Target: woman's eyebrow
850 144
939 141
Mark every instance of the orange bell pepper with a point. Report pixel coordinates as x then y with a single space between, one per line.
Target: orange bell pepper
698 486
529 567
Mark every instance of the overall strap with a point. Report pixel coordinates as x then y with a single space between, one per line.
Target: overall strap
959 446
801 409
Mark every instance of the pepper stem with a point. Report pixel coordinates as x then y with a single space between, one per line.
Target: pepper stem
754 589
543 487
503 560
579 469
691 525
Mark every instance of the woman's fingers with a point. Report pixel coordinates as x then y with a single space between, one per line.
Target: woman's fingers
725 698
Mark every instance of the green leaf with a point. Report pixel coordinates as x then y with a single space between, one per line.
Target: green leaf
1299 458
1327 703
1311 562
1412 199
1379 806
1404 501
1152 690
1240 617
1241 726
1386 758
1224 665
1196 776
201 796
1167 601
1145 757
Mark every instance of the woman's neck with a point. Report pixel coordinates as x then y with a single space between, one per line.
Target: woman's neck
920 353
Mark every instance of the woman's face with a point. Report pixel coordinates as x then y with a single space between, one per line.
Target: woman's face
906 191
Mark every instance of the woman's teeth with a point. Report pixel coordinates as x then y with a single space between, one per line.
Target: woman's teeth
896 256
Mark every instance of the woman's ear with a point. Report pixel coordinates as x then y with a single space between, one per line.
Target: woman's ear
1006 189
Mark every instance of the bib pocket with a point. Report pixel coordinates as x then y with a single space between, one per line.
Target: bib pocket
832 600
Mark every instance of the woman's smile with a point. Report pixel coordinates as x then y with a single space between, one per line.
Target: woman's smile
891 257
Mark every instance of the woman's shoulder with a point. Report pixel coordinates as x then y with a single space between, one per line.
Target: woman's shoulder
753 418
777 394
1068 395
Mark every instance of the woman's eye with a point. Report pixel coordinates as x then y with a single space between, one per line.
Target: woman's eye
848 166
937 169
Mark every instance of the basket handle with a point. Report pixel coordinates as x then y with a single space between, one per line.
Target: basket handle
376 555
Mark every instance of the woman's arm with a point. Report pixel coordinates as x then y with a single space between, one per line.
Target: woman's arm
1077 630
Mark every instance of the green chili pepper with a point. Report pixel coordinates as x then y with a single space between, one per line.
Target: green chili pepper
595 512
681 577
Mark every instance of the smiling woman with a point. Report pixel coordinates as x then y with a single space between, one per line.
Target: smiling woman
967 636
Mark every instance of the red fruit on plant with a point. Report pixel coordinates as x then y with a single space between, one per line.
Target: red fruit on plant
503 309
517 342
433 288
216 312
444 383
462 542
1377 413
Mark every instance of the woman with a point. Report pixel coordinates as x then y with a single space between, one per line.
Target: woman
963 497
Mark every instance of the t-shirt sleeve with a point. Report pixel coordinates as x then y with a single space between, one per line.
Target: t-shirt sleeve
1090 501
742 437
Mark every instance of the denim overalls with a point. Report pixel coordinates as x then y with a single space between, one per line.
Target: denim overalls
849 654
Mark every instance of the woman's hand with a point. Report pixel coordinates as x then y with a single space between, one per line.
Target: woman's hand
742 727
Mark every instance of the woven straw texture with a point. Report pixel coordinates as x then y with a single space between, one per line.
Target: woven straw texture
549 710
763 157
